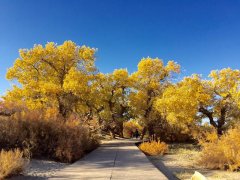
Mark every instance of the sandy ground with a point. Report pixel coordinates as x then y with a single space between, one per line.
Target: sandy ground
182 162
40 169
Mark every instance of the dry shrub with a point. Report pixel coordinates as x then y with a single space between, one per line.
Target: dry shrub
221 152
53 139
154 148
11 163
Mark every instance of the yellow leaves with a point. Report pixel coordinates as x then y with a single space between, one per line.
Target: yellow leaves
153 85
67 52
49 88
195 88
150 68
47 72
172 66
147 66
120 74
223 81
138 102
87 53
180 102
53 73
149 83
152 71
154 68
51 47
23 53
225 86
76 82
15 94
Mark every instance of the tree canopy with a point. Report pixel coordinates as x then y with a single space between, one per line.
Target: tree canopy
64 77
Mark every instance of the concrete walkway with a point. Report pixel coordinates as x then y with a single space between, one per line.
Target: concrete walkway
118 159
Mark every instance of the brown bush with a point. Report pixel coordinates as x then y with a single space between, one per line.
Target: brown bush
154 148
54 139
221 152
11 163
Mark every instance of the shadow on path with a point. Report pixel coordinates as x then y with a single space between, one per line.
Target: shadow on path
118 159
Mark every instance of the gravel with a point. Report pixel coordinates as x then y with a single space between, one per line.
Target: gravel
40 169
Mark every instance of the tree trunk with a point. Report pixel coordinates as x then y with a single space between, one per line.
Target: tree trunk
220 122
143 133
151 132
62 110
121 134
112 133
120 126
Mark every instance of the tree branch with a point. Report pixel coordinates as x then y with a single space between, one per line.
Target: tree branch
209 115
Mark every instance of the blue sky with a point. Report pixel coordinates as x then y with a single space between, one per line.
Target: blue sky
200 35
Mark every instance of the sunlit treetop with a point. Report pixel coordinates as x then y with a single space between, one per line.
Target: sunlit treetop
225 81
51 61
151 72
46 74
149 82
215 98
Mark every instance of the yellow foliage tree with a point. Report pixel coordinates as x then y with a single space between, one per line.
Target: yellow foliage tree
44 75
194 98
149 82
113 90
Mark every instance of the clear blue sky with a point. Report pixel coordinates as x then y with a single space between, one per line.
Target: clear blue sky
200 35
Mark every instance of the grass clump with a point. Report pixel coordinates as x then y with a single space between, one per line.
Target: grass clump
221 152
11 163
154 148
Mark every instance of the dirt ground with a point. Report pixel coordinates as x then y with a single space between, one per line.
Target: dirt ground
181 161
40 170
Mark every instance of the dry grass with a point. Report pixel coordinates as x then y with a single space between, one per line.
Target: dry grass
53 139
221 153
11 163
182 161
154 148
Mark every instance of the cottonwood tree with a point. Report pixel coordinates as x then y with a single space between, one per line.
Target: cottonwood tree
148 83
105 97
113 92
43 74
194 98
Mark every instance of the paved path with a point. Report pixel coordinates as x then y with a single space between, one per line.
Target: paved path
118 159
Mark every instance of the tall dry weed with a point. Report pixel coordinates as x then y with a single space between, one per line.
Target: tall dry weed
221 152
11 163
